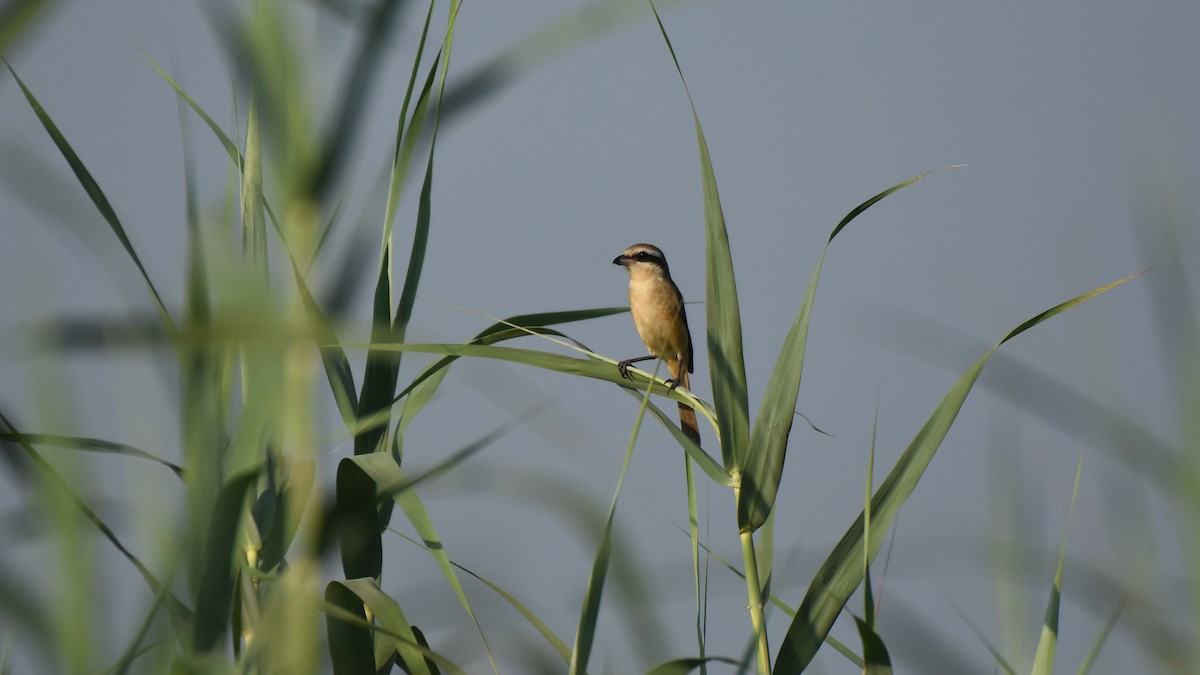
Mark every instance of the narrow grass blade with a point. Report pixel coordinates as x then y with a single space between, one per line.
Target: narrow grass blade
179 612
254 233
333 357
89 445
1043 658
1094 652
593 368
724 322
589 613
842 571
687 665
554 641
422 388
763 468
94 192
414 509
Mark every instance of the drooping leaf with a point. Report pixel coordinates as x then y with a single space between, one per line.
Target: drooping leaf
842 571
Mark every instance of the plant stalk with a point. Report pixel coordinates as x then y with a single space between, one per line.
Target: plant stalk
754 594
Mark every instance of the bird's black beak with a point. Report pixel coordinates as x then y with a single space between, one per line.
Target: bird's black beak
622 260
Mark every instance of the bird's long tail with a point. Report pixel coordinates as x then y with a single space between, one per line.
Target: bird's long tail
687 416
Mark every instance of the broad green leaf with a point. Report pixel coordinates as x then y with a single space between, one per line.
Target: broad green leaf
94 192
874 651
724 323
214 597
351 650
842 571
357 527
386 611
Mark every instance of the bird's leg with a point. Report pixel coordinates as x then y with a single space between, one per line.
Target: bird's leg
623 366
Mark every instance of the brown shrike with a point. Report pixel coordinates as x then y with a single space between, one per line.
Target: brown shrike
661 322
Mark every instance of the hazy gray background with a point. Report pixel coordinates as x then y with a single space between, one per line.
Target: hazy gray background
1078 123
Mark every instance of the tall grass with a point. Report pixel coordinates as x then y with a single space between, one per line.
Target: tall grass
243 588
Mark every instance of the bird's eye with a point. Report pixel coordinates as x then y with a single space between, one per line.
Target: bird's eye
643 256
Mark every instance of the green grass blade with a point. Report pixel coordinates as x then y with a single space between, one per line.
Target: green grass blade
556 642
842 571
686 665
88 445
589 613
411 504
406 140
593 368
1094 652
1043 658
178 610
699 583
382 368
381 469
333 357
724 322
767 451
94 192
254 233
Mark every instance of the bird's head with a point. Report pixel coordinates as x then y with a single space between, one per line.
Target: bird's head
643 260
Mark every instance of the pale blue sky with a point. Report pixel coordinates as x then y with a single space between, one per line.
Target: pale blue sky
1078 125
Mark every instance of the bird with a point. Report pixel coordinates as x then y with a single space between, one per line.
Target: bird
661 322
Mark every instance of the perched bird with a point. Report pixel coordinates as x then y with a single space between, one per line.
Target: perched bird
661 322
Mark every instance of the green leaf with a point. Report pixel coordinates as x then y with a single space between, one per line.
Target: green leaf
94 192
593 368
88 445
763 467
724 323
1043 658
254 233
386 611
214 597
559 646
687 665
874 651
350 646
589 613
357 524
842 571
